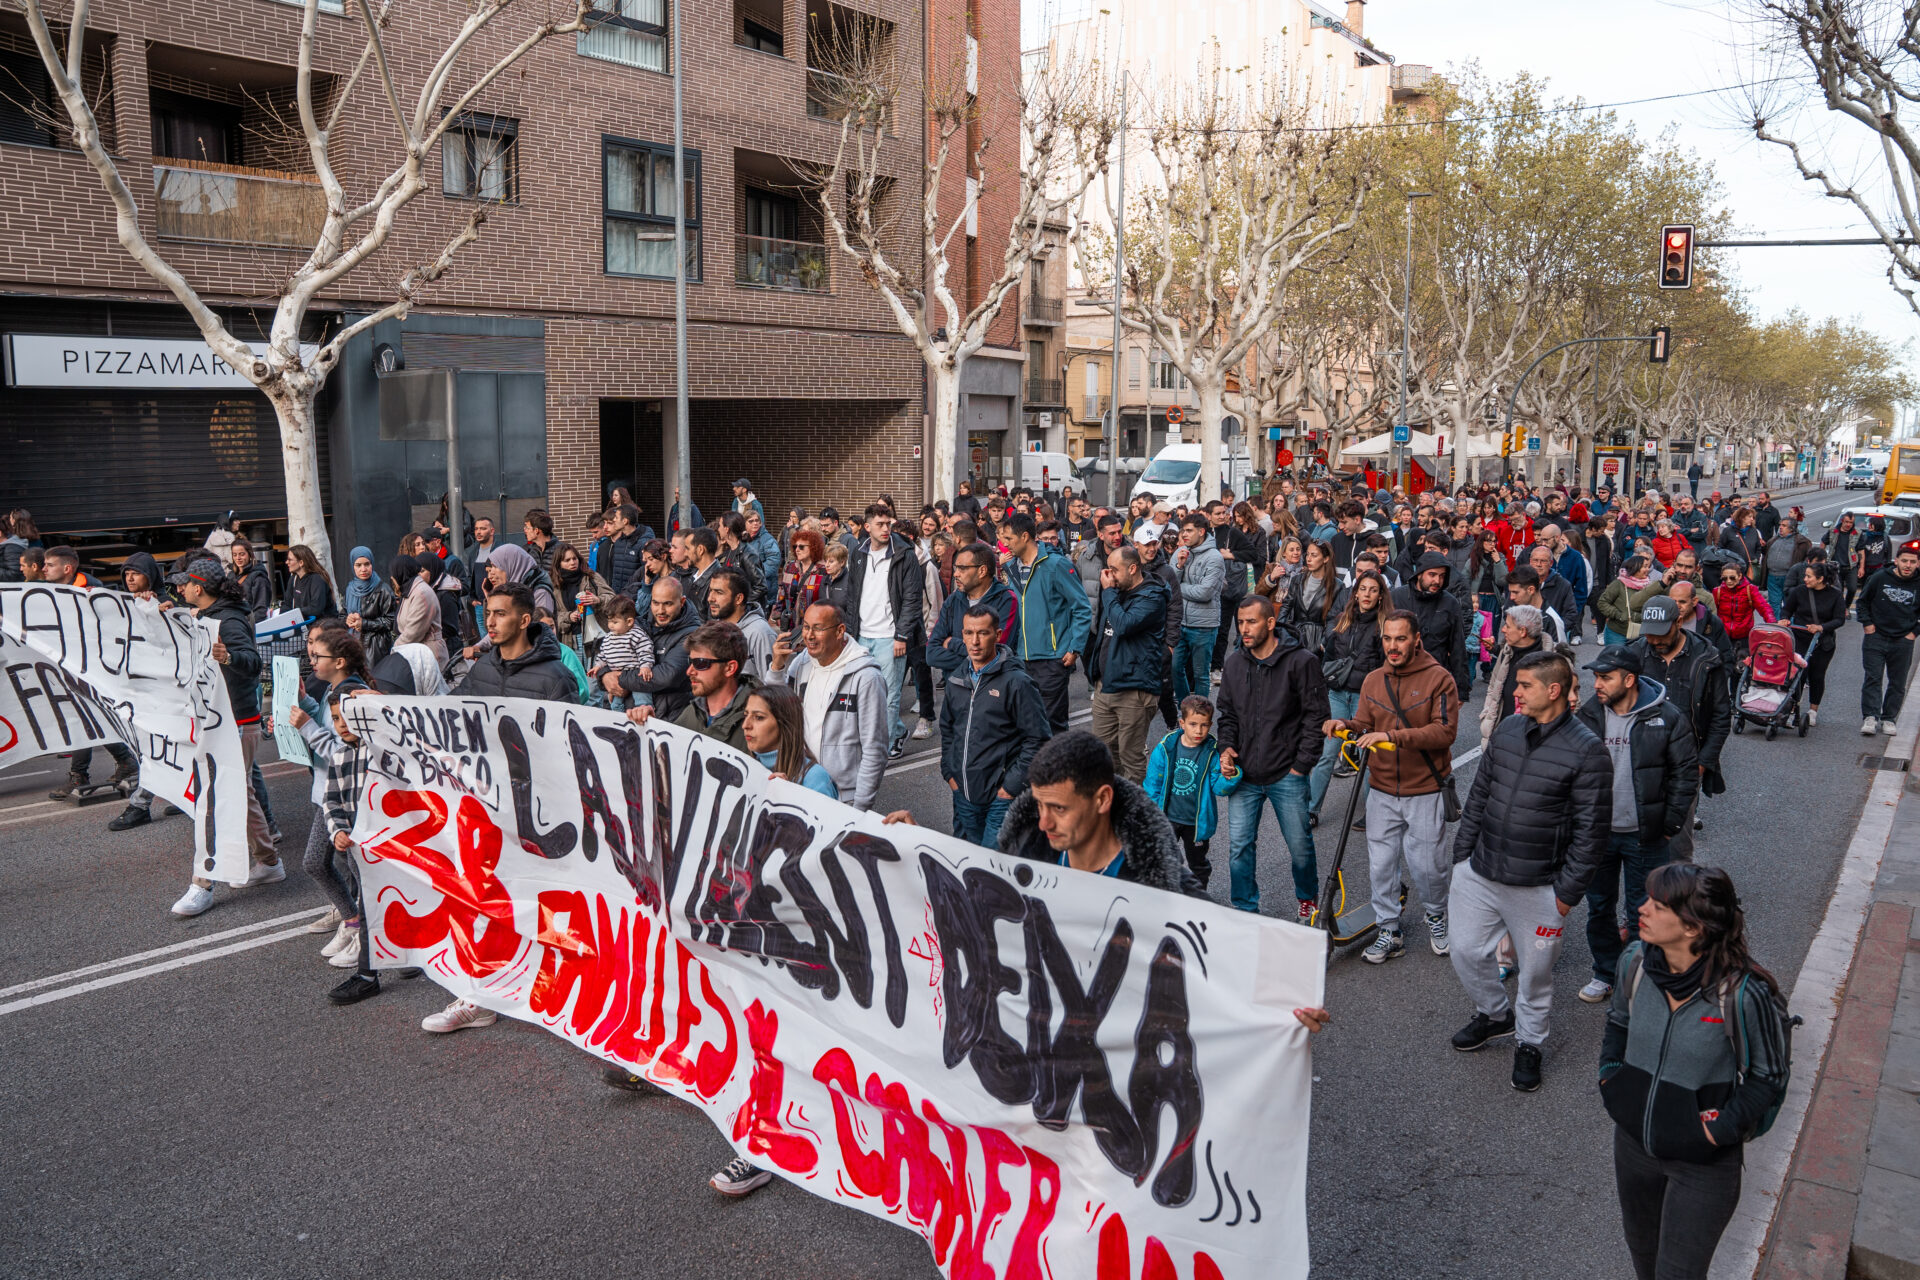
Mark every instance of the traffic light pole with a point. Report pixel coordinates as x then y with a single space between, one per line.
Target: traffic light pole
1514 398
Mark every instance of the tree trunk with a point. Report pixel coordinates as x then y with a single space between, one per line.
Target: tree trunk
1213 410
944 387
300 460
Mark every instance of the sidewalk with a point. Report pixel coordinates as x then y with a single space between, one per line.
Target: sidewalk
1850 1205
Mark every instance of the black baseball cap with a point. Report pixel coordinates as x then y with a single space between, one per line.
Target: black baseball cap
1659 616
1617 657
743 483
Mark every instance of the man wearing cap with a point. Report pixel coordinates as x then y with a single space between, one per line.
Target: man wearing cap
1889 613
744 501
1693 672
1656 775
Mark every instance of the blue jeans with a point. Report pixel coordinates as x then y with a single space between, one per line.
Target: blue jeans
1193 663
1625 854
896 672
1776 593
1345 706
1288 796
979 823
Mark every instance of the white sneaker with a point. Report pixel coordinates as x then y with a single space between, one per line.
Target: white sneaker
347 957
266 873
341 937
1888 726
458 1016
1596 992
193 901
1437 934
1869 726
326 923
1813 716
922 730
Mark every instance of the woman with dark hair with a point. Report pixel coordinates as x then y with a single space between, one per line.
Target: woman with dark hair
1350 650
1816 610
418 621
1311 596
1692 1064
577 589
775 730
803 581
656 562
307 587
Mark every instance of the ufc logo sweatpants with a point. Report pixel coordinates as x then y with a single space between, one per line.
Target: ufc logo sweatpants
1480 912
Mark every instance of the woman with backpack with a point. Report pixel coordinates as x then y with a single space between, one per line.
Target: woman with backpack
1693 1065
1348 652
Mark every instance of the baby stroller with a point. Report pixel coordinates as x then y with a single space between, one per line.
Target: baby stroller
1771 678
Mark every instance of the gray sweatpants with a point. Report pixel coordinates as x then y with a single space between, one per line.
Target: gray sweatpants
1483 912
1407 835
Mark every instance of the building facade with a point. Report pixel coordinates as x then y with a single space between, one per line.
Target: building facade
557 323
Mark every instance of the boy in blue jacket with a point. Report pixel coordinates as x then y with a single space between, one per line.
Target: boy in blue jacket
1184 775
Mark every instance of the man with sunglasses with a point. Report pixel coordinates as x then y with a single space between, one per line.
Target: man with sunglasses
720 684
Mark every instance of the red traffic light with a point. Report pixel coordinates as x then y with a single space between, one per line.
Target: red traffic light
1676 257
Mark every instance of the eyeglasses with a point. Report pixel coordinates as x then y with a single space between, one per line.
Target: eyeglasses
701 664
810 629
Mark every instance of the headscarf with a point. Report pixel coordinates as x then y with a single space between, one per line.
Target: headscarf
427 680
518 566
356 589
404 571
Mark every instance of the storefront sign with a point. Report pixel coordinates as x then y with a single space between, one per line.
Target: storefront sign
60 360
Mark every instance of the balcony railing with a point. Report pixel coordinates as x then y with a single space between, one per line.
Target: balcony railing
765 263
1093 408
1046 392
1044 310
231 204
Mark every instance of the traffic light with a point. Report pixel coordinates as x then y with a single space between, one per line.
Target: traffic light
1676 256
1660 345
1517 438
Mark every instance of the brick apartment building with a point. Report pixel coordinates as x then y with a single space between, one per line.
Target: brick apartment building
559 321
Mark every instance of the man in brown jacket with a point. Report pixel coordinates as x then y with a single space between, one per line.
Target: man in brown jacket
1412 703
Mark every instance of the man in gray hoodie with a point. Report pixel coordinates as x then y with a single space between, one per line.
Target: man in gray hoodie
1203 576
843 696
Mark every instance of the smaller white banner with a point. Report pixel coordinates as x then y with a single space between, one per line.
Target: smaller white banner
64 360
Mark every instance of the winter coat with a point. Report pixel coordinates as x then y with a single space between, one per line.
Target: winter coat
945 649
1151 854
1695 681
1737 606
1498 704
418 621
11 549
377 617
905 585
1423 739
1359 642
590 583
725 727
1557 594
1308 622
1538 810
242 667
1159 783
1203 580
310 594
1663 1070
1615 609
1171 581
1052 610
1666 769
1443 623
1890 604
669 685
540 672
1694 526
853 741
1490 580
622 565
1272 708
1128 647
1825 608
256 584
991 722
764 550
1667 546
1572 568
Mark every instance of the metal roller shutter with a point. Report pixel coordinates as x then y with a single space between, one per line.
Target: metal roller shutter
82 461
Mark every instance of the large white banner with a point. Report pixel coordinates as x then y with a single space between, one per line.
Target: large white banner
1044 1073
134 673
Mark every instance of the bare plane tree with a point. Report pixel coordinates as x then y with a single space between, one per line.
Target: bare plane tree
355 227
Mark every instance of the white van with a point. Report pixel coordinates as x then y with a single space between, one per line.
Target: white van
1174 475
1046 471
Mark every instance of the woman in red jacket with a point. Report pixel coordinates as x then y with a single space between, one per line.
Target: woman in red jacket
1737 600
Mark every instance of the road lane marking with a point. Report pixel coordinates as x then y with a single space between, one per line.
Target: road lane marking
171 949
114 980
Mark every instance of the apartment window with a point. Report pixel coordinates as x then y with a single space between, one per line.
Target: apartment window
480 159
1133 369
1036 359
26 99
771 216
973 207
187 128
1167 376
754 35
1093 377
638 201
630 32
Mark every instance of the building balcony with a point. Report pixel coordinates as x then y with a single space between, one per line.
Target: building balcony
1042 310
1046 393
827 94
761 262
1093 408
233 204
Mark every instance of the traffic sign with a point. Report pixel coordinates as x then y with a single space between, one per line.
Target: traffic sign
1402 433
1273 433
1647 447
1610 465
1533 444
1284 458
1176 415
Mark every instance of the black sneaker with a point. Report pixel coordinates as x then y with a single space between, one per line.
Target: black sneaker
360 986
1482 1029
134 815
621 1078
1526 1067
74 782
739 1178
1359 823
126 776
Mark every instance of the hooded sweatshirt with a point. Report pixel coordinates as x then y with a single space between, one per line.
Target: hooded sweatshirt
844 707
1656 769
1443 622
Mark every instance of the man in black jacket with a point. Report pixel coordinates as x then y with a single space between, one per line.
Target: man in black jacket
1694 674
1554 589
524 660
623 549
1154 564
991 723
669 622
1273 702
1889 613
1126 658
1655 778
1443 623
883 608
1532 831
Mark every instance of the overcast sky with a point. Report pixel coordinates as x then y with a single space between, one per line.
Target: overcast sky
1630 49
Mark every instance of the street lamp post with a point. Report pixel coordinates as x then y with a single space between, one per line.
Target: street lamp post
1406 330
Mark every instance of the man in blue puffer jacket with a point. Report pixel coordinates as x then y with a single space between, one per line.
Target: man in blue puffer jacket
1053 614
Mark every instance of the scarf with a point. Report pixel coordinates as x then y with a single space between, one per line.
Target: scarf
357 589
1680 986
1633 583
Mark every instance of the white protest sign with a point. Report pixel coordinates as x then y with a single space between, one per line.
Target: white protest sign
45 711
156 667
1044 1073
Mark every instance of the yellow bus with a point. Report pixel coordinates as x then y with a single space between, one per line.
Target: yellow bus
1903 473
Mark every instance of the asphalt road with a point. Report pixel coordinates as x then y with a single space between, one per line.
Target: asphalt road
219 1118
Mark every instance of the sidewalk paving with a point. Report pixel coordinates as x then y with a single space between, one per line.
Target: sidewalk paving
1850 1207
